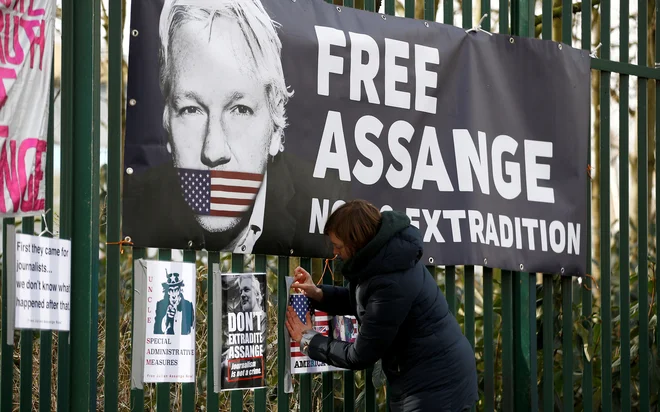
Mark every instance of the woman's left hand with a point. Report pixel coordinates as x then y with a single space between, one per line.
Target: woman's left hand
295 326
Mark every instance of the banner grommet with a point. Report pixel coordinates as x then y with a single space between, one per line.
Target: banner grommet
339 9
129 170
521 266
485 261
134 32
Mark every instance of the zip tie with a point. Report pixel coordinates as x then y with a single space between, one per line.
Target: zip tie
594 51
45 223
478 27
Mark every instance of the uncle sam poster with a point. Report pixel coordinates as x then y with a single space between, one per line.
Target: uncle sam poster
170 324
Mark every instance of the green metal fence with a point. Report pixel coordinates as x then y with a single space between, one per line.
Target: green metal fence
542 342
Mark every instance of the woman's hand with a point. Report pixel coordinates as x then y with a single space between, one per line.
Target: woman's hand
295 327
302 281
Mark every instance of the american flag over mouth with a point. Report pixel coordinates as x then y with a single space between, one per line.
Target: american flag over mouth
301 305
219 192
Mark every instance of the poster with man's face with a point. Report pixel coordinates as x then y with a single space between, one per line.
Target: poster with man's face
210 155
250 121
244 327
170 324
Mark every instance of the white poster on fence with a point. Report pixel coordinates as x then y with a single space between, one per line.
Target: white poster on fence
26 55
170 326
43 282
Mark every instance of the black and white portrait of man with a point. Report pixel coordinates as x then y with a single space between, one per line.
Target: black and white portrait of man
227 182
251 295
246 293
224 92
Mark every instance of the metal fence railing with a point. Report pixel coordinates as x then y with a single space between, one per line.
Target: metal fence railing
542 341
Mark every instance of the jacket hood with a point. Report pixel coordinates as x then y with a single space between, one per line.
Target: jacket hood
397 246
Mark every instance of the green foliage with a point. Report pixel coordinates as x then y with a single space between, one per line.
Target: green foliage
586 335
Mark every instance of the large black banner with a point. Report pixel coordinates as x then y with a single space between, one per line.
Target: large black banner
249 121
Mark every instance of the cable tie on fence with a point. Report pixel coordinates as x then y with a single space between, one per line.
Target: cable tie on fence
121 244
593 279
589 169
595 51
328 267
45 223
478 27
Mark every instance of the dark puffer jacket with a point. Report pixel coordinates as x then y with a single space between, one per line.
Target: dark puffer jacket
404 320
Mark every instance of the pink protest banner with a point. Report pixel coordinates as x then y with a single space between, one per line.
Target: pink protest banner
26 55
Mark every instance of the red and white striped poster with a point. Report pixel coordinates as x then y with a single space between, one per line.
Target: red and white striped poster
301 363
26 55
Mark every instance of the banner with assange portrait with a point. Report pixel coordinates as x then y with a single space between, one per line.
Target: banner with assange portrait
250 121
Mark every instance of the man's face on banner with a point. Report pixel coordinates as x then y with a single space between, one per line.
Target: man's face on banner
249 296
174 293
218 111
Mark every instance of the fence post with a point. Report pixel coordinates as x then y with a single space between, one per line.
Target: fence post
85 203
522 13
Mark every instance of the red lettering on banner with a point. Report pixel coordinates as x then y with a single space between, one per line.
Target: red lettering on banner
18 54
9 178
23 192
31 190
32 12
2 27
11 37
21 2
21 23
5 73
40 40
